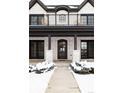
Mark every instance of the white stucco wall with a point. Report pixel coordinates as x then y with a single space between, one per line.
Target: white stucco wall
87 9
37 9
52 19
73 19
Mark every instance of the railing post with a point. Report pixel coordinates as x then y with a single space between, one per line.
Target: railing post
48 19
68 19
55 19
77 19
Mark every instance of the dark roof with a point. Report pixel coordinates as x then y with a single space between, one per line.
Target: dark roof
55 8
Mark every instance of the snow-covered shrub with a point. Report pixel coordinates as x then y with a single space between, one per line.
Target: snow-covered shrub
41 67
82 67
32 68
92 70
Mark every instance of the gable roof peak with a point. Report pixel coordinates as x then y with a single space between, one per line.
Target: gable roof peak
85 2
32 2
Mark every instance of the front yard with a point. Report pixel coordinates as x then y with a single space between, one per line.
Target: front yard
85 82
39 82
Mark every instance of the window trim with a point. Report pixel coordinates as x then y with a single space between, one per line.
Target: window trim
37 18
62 17
86 19
37 56
87 49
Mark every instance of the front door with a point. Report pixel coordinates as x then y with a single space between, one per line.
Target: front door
62 49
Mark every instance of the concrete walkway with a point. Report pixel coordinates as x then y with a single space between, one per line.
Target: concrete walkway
62 80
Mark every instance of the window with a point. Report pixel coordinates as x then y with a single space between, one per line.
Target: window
36 49
33 20
36 19
62 18
87 19
87 49
90 20
84 20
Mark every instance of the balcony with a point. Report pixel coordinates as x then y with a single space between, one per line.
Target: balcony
61 25
65 20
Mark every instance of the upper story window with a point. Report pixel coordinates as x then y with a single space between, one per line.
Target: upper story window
62 18
87 19
91 20
36 19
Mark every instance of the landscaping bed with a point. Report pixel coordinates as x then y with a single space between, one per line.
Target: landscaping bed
41 67
82 67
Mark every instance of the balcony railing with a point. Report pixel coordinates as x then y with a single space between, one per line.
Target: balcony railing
62 20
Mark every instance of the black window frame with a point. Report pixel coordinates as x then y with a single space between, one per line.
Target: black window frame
37 15
87 15
37 49
89 53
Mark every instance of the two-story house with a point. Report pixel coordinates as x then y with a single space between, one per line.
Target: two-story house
61 28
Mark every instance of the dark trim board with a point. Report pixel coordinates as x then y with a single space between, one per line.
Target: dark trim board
61 28
62 33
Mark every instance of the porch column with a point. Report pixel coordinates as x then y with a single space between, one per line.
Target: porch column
75 42
49 42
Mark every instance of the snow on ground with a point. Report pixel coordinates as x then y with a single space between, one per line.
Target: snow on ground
85 82
39 82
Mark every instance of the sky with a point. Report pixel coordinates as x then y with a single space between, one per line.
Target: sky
62 2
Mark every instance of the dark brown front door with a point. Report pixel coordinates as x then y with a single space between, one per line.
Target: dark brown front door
62 49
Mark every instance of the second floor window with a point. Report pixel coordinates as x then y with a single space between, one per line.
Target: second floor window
62 18
87 19
36 19
90 20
